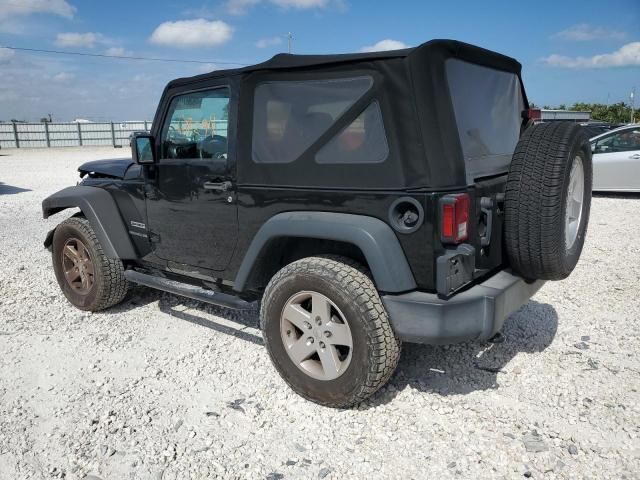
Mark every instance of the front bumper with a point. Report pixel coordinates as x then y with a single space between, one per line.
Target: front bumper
475 314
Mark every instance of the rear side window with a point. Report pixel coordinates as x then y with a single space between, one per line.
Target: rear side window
488 107
362 141
289 116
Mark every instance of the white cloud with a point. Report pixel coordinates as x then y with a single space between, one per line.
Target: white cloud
386 44
9 8
117 51
63 77
584 32
192 33
6 54
206 68
301 4
268 42
626 56
74 39
25 93
239 7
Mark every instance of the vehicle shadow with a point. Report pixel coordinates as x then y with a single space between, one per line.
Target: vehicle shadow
11 190
467 367
244 319
443 369
194 312
617 195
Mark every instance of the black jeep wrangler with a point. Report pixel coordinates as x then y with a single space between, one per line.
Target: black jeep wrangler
363 199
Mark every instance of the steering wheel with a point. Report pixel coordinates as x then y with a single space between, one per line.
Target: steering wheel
213 140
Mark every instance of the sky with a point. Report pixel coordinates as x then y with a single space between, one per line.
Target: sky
571 51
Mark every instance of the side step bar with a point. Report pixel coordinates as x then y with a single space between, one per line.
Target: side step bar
190 291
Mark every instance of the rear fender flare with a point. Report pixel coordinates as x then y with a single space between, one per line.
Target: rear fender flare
376 240
99 207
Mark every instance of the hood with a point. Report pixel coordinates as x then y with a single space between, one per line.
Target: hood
112 168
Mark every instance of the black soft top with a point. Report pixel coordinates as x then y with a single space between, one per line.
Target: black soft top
412 90
437 49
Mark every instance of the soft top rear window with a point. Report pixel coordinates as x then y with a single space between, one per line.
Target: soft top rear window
488 106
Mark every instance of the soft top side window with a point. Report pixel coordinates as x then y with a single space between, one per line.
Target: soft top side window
362 141
289 116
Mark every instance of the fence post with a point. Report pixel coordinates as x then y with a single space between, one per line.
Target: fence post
113 135
79 134
145 126
15 135
46 133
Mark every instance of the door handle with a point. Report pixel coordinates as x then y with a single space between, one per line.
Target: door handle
218 186
636 156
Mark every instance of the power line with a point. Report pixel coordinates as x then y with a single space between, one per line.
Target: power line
123 57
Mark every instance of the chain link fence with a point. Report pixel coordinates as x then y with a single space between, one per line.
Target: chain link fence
74 134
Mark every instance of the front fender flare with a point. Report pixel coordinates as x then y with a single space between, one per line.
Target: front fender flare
372 236
99 207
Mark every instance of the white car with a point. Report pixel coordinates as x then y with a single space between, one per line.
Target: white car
616 160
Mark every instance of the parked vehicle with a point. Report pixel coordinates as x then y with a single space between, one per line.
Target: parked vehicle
616 160
362 199
596 128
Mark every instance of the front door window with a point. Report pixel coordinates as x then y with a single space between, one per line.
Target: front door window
625 141
197 125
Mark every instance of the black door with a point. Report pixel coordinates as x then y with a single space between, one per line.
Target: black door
191 207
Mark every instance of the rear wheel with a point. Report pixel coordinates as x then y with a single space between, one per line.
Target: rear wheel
548 200
327 331
88 278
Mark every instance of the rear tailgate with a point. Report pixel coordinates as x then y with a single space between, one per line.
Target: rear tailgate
488 104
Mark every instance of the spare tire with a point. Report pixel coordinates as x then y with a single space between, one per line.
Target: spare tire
547 201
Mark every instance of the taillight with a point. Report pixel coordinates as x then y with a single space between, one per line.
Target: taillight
532 114
455 218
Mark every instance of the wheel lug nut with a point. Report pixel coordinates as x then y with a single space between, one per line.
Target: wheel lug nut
307 325
310 340
327 334
318 320
321 344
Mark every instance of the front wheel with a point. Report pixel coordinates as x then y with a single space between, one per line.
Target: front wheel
88 278
327 331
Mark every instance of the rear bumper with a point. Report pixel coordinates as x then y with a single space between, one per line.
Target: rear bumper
475 314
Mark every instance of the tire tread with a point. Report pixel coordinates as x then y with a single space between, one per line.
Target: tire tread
383 344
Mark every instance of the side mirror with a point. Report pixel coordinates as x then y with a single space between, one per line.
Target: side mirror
142 150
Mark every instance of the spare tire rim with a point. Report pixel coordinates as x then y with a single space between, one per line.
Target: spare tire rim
77 266
316 335
575 199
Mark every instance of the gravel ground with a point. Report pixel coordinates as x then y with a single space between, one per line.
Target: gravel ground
161 387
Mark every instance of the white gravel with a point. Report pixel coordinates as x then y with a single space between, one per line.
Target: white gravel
161 387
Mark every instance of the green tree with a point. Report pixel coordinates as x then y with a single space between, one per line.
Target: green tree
616 113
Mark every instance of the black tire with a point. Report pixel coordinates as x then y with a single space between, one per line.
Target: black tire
536 200
109 285
376 348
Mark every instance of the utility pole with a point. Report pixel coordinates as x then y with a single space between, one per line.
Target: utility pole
632 96
289 40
